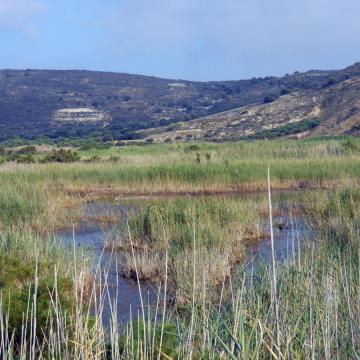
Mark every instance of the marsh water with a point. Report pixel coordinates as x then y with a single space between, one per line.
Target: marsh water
89 236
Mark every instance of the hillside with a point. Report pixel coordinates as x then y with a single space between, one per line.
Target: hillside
332 110
35 103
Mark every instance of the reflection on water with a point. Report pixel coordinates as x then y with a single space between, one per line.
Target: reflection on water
288 235
123 294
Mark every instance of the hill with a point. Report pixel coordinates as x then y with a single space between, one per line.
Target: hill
333 109
54 103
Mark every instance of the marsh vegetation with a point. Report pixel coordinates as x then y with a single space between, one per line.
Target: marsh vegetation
208 303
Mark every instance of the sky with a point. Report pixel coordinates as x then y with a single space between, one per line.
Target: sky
181 39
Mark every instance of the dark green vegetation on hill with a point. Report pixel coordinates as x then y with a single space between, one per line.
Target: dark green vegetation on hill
65 104
286 130
334 108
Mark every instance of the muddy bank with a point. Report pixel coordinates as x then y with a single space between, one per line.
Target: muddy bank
115 193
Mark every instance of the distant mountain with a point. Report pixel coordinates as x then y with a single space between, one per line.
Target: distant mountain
35 103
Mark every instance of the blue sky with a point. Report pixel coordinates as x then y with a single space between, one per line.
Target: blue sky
188 39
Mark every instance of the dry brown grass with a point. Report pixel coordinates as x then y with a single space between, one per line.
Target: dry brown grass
150 265
213 267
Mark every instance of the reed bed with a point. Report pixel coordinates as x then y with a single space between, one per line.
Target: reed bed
221 225
317 299
307 306
203 168
109 180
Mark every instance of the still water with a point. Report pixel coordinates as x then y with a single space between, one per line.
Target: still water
121 295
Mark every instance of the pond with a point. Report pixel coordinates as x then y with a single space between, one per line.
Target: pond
90 234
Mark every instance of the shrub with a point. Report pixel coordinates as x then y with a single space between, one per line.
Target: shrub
286 130
62 156
28 150
93 159
17 285
191 148
198 158
284 91
114 158
94 145
350 146
27 159
270 98
330 82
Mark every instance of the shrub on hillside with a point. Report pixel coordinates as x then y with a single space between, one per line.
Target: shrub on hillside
270 98
286 130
